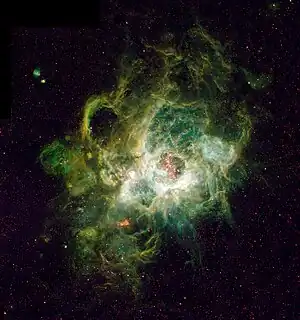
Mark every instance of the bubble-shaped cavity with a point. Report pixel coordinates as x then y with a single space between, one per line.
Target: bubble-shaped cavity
102 122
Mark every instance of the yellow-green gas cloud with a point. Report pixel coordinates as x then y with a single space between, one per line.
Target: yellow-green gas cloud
174 152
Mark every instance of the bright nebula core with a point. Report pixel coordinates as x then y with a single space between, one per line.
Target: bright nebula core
156 155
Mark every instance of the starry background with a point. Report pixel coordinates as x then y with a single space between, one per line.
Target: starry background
249 272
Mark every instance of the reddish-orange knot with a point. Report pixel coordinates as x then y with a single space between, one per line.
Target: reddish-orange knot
123 223
169 166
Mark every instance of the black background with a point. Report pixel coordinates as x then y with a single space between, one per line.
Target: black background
247 273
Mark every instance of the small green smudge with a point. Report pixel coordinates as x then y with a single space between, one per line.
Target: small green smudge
36 72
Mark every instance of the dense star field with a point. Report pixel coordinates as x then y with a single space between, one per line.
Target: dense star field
150 165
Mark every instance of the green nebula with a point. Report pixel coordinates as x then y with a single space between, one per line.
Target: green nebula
169 157
36 72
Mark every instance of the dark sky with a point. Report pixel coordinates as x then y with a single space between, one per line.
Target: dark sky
248 273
